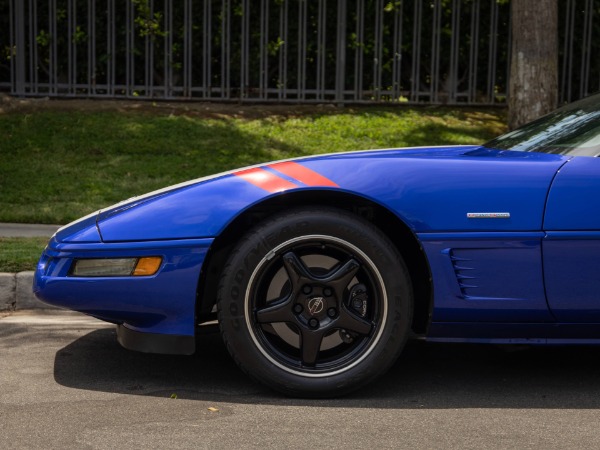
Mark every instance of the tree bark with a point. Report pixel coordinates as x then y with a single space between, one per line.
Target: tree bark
534 63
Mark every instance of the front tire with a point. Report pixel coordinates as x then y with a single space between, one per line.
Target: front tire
315 302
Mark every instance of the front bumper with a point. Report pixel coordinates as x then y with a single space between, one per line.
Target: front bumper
163 304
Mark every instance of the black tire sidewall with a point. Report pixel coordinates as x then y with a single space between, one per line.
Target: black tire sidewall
270 234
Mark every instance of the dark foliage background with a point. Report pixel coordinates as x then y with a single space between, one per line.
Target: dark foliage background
434 51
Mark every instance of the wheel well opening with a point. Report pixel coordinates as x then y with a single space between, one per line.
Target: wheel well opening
400 235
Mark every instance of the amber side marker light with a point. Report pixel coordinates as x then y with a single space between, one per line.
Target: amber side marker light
147 266
116 267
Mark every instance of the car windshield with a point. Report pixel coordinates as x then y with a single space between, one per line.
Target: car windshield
573 130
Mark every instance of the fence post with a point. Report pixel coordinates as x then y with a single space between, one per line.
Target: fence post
20 45
340 75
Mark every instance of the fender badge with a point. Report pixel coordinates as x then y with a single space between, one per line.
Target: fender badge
488 215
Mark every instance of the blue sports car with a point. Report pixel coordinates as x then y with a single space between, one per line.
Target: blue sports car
319 269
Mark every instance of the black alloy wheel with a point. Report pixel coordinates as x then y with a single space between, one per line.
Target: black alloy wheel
315 302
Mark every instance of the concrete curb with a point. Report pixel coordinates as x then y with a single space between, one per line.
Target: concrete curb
16 292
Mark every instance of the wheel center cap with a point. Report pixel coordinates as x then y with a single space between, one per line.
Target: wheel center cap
315 305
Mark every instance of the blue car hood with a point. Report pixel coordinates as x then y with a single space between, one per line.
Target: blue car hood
418 184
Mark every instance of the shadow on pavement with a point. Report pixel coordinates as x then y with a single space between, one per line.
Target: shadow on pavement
427 376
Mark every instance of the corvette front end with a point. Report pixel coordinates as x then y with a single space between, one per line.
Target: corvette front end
162 303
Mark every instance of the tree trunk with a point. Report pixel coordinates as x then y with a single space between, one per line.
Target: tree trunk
534 62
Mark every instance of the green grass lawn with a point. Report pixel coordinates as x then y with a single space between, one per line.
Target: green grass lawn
56 165
18 254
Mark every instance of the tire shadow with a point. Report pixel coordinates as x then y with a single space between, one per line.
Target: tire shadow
426 376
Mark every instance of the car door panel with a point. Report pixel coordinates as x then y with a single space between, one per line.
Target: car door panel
571 248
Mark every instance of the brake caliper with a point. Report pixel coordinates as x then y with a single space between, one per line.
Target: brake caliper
358 299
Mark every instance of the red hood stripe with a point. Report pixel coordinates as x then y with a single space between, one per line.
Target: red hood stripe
265 180
302 174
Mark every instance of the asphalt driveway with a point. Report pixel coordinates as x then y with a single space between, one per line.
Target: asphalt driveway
66 383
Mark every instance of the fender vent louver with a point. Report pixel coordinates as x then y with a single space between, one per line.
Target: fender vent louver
461 270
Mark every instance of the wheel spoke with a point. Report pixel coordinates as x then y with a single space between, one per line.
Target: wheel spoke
351 322
280 312
310 344
343 274
339 278
296 270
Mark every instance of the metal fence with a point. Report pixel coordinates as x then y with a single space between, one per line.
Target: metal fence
342 51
